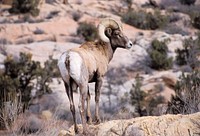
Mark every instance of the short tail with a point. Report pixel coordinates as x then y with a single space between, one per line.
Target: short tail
63 67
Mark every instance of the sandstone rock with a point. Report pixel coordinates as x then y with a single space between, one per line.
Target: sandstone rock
169 79
26 32
46 114
62 133
161 81
7 2
166 125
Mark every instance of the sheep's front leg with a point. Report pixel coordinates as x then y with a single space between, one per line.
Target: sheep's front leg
97 95
83 95
88 115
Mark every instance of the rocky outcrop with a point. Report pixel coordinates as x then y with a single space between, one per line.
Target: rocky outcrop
166 125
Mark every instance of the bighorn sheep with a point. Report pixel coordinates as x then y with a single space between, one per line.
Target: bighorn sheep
89 63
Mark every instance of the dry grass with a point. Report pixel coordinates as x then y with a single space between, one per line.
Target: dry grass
30 124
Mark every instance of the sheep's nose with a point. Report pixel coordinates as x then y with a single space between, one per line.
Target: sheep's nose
130 44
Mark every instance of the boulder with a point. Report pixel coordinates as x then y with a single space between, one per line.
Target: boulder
166 125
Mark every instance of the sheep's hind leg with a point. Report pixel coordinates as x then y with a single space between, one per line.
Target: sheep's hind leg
69 92
97 95
88 116
83 95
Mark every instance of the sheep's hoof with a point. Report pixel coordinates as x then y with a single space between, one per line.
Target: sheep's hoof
89 120
97 121
76 130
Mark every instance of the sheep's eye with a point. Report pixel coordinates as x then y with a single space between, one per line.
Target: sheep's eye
117 34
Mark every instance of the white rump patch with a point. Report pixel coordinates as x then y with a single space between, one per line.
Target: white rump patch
75 65
62 67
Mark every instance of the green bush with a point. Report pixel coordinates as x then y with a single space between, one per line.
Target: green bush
145 103
144 20
187 2
196 20
181 58
88 31
189 54
22 76
25 6
187 95
137 97
158 56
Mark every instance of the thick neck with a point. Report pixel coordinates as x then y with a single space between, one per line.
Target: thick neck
108 50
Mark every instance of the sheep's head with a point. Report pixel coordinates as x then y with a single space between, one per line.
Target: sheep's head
110 31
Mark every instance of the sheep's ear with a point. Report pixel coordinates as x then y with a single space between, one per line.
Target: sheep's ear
108 32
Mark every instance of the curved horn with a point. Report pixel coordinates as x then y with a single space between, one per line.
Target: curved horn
107 23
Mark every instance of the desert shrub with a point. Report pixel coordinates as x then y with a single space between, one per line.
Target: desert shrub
52 14
187 95
51 66
189 54
76 15
187 2
38 31
25 6
10 107
144 20
158 55
20 78
182 55
137 96
196 20
88 31
144 102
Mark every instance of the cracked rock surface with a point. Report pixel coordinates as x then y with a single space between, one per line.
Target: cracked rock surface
166 125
